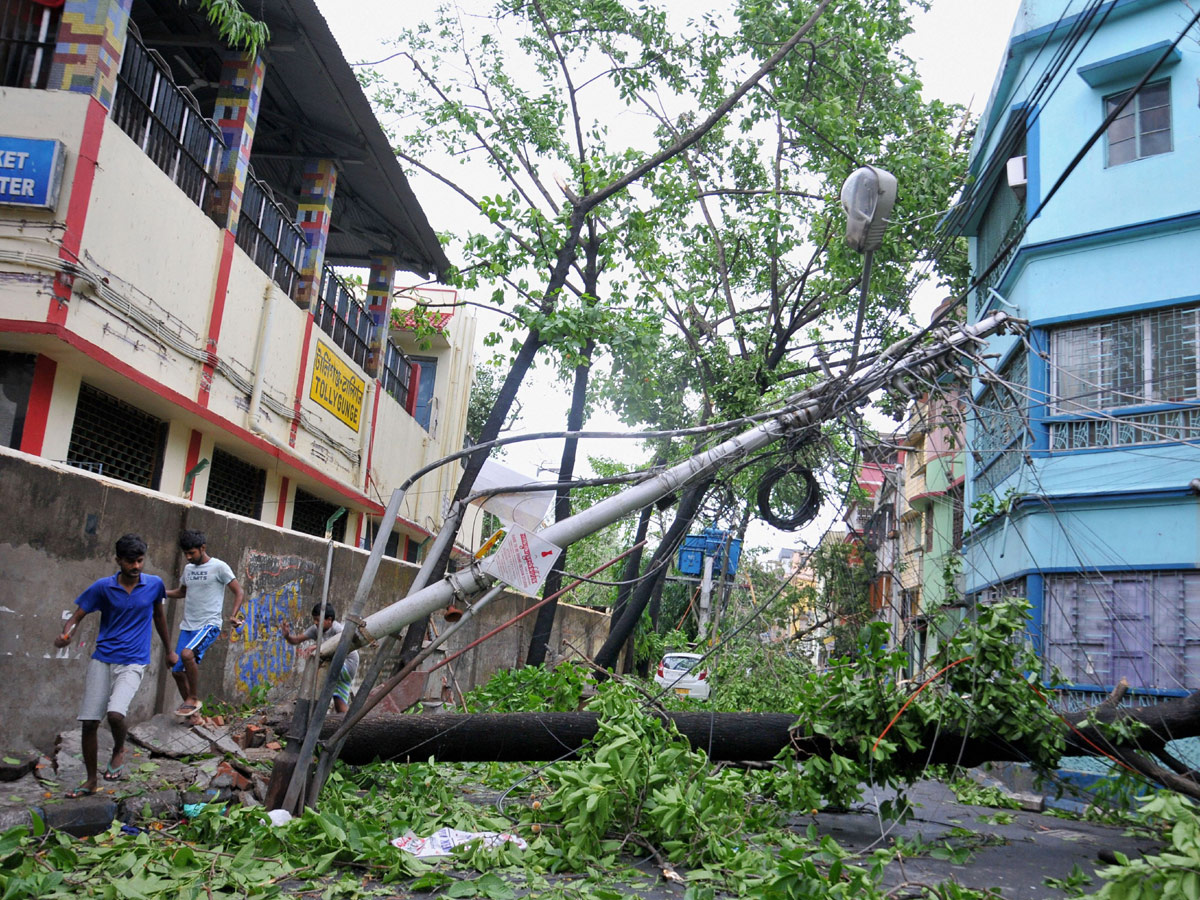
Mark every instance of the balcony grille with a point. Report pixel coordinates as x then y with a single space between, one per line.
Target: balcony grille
270 237
235 486
309 515
344 318
28 32
396 372
165 121
117 439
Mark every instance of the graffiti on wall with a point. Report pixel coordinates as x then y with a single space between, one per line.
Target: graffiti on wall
279 588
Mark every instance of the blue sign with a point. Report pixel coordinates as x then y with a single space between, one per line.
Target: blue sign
30 172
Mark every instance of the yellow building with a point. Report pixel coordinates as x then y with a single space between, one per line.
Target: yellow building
171 217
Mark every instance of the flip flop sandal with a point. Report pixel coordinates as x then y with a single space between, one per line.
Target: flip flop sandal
188 709
80 791
114 773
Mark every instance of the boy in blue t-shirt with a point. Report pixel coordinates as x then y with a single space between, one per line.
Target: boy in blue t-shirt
129 603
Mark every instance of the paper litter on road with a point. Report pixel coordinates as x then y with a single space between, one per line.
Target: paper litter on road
441 842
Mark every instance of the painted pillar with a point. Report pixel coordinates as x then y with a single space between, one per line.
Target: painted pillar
236 114
87 57
379 306
314 211
91 39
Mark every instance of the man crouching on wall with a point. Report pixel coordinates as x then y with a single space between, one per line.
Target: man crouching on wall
128 602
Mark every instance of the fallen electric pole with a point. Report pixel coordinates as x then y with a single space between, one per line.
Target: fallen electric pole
825 400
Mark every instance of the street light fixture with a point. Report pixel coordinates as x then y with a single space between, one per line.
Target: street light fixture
867 197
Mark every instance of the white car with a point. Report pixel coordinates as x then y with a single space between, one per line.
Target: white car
682 673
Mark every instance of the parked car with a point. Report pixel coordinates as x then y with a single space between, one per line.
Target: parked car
684 674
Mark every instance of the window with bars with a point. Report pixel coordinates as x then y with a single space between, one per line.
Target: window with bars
1144 126
235 486
1130 361
28 34
998 423
113 438
310 513
1141 626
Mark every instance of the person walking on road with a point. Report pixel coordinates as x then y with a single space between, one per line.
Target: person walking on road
202 587
130 603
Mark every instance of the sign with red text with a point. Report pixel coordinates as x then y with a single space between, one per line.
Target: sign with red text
523 560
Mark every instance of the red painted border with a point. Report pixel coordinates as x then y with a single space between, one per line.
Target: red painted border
281 507
187 405
86 163
193 457
217 315
37 412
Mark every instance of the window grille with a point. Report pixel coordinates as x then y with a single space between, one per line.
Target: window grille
1144 126
165 121
396 372
1004 591
344 318
310 513
998 425
235 486
28 33
116 439
268 234
1135 625
1131 361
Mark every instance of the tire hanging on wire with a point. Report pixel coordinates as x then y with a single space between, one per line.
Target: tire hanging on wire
808 507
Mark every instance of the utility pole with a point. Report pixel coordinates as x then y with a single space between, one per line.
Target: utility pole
827 399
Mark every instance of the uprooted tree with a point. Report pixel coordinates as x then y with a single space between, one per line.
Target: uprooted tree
657 199
850 725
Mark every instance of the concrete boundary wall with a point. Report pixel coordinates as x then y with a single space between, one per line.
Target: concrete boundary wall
57 530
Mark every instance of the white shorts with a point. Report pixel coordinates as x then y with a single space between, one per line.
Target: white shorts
110 688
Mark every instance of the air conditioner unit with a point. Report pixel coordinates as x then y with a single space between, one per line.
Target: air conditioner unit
1018 176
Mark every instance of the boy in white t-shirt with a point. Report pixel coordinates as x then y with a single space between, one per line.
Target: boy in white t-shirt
202 587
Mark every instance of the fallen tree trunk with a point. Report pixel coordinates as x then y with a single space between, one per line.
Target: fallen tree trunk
756 737
538 737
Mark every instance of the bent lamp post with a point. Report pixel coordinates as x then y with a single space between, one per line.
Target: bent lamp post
867 198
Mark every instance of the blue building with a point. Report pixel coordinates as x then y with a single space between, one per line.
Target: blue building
1083 470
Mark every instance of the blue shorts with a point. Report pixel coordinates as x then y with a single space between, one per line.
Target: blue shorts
197 641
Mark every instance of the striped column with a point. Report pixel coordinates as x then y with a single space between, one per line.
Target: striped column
236 114
314 210
379 306
91 39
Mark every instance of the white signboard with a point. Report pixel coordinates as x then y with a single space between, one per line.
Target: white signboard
523 560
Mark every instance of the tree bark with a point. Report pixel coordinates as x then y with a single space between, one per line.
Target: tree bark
754 737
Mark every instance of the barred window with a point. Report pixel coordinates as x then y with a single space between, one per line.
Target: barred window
1144 359
235 486
998 425
112 438
1140 626
310 513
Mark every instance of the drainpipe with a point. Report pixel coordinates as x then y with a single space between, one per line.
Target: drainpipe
260 364
365 437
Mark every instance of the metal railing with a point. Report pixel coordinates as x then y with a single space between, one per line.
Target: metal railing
28 33
343 318
269 236
165 121
397 371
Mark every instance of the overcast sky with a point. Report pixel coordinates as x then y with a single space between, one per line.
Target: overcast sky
958 46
